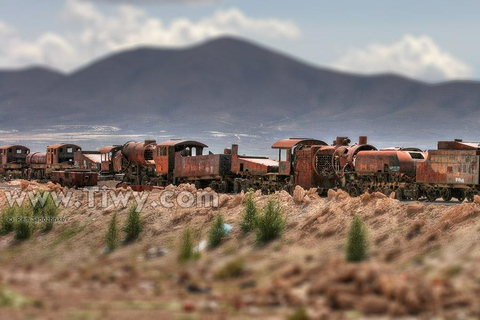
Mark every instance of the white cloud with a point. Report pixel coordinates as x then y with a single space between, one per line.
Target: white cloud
98 33
417 57
195 2
48 49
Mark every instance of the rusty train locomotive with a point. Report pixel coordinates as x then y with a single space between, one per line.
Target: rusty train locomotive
451 171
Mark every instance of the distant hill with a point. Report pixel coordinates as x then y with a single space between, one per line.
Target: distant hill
232 86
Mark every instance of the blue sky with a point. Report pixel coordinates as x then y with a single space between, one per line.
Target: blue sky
427 40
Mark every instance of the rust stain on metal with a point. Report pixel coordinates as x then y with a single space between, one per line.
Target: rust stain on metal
140 153
449 167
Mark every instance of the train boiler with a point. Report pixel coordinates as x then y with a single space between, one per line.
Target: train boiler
305 162
386 171
139 160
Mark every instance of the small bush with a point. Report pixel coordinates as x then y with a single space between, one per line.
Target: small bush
217 232
250 213
111 238
299 314
133 225
357 242
23 226
186 247
49 211
271 223
232 269
7 224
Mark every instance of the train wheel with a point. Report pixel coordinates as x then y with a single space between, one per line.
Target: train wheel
432 194
223 187
470 196
353 191
236 186
399 194
461 195
446 194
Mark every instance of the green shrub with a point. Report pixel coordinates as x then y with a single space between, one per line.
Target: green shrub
299 314
49 211
187 251
7 224
232 269
37 209
23 226
134 225
217 232
357 242
111 238
250 213
271 223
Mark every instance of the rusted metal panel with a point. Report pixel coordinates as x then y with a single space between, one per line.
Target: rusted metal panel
292 142
107 155
256 166
205 166
167 150
180 142
372 162
344 156
118 161
75 178
90 160
458 145
245 165
459 167
140 153
313 167
13 154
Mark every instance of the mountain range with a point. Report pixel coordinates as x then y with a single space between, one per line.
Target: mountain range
230 90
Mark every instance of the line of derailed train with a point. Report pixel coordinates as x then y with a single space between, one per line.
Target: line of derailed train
451 171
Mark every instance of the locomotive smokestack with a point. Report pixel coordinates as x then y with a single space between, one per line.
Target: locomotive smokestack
342 141
362 140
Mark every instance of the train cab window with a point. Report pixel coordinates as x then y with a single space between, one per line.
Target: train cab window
162 151
416 155
60 150
186 152
69 150
282 155
19 151
10 150
193 151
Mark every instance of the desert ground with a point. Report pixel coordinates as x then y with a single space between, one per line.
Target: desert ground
423 263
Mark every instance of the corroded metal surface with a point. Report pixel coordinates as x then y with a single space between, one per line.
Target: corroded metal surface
292 142
61 153
245 165
449 167
75 178
373 162
205 166
13 154
140 153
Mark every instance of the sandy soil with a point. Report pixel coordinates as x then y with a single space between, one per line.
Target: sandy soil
423 263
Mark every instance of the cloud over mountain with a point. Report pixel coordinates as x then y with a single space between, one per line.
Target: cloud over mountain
126 26
414 56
